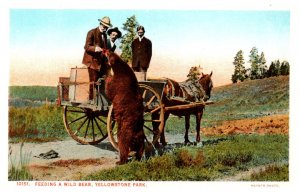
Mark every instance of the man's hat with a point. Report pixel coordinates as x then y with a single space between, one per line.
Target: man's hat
115 29
105 21
139 28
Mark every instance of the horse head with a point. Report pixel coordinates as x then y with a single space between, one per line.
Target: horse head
206 84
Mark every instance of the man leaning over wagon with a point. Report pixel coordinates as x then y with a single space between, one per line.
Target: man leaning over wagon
96 40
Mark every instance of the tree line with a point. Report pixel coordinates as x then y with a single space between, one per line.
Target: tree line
258 68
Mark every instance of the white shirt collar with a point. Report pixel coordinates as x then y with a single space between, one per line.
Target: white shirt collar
112 43
140 38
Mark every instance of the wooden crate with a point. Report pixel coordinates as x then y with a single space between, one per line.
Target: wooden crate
64 88
79 88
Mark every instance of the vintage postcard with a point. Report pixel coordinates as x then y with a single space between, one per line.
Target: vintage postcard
149 96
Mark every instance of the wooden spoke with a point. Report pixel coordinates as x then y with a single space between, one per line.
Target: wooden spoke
77 119
150 101
101 120
87 128
144 94
78 129
99 127
93 130
148 128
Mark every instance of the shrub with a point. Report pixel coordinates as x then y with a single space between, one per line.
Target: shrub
18 170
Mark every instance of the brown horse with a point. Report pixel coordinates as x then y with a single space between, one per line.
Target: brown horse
172 95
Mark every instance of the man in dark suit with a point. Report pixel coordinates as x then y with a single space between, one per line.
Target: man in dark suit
114 34
141 51
93 57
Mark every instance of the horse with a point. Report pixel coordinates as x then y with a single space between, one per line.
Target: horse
175 91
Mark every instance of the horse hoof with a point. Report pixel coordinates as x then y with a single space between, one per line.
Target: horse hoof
187 142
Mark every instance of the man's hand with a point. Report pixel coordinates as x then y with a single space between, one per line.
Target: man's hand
98 49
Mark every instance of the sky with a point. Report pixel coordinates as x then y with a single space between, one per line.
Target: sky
46 43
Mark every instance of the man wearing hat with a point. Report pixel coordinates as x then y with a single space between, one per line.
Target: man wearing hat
114 34
93 58
141 51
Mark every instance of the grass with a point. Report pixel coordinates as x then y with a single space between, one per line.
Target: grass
271 173
215 160
247 100
36 124
18 170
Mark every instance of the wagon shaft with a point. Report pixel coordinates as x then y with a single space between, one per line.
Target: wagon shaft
188 106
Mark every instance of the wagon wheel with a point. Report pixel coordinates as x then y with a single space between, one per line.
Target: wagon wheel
152 104
85 125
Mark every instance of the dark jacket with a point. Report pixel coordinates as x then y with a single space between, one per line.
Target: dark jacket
110 47
141 52
93 59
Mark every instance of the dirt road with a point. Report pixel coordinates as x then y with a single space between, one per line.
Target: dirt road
74 160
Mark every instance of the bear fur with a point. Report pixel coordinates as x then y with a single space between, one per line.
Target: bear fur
122 89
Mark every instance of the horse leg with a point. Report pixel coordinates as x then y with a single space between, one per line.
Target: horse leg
187 127
162 135
198 124
155 125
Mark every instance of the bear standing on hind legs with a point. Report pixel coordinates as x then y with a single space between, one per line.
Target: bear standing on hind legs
122 89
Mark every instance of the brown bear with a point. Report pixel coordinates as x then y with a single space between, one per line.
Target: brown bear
123 90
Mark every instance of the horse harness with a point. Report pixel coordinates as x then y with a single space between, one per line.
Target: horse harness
187 91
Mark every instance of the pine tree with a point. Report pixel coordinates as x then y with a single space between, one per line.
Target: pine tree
254 60
285 68
277 68
239 68
271 70
262 67
130 27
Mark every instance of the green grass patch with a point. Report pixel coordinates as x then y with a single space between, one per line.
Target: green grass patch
214 160
38 124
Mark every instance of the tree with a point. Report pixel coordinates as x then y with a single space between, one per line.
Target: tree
254 60
277 68
274 69
239 68
285 68
130 27
262 67
271 70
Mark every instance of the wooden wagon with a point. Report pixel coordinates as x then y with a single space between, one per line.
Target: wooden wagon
91 121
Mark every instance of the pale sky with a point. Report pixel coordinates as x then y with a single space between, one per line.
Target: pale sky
46 43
